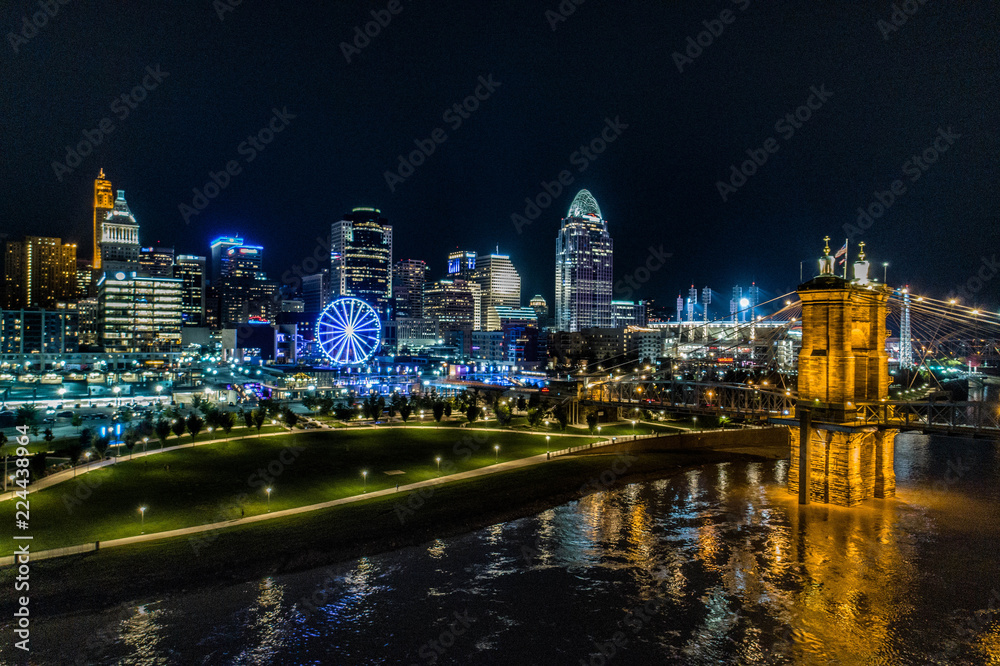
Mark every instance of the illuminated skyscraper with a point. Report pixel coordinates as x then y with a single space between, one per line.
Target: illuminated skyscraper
191 271
583 268
119 239
361 257
218 247
156 261
245 294
500 285
103 204
38 273
408 278
139 314
461 261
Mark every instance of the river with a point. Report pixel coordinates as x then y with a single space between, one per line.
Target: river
717 565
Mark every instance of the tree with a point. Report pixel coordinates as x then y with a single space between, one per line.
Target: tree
196 401
227 421
74 451
522 404
373 406
3 439
37 465
592 421
447 409
247 417
438 410
309 402
26 415
290 417
535 416
504 415
177 426
130 438
472 413
194 425
48 436
85 439
325 405
404 411
162 431
534 401
101 445
560 414
76 421
259 415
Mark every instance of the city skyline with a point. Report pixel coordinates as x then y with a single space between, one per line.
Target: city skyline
655 181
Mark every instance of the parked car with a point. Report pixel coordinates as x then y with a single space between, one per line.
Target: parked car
65 415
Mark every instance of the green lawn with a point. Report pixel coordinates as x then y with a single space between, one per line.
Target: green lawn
208 484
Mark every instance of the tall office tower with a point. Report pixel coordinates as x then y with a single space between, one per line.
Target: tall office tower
361 257
84 278
156 261
408 278
218 247
104 203
706 300
38 273
500 285
680 308
692 301
190 269
119 243
139 314
461 261
316 291
583 267
245 293
734 304
452 303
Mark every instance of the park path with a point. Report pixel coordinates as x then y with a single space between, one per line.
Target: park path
271 515
79 470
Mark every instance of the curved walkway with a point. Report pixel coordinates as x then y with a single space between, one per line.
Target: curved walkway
211 527
79 470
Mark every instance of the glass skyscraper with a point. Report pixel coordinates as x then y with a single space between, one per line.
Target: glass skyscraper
361 258
583 268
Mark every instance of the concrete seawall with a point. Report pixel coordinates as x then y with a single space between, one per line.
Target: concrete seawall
775 437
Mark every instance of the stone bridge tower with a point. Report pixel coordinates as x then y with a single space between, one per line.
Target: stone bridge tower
843 362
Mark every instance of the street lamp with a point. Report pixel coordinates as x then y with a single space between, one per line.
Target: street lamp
438 459
546 443
633 427
364 476
117 390
145 441
496 448
885 272
696 423
268 491
142 516
598 431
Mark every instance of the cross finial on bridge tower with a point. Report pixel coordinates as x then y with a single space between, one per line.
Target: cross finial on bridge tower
826 250
861 256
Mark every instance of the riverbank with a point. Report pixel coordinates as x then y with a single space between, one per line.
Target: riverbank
148 571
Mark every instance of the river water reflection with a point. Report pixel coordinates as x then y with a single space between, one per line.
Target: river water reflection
718 565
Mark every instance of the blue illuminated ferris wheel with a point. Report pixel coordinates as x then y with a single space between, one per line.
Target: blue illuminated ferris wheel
348 331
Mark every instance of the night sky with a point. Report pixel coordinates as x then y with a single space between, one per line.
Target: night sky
893 87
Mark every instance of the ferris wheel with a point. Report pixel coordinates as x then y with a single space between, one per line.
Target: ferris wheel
348 331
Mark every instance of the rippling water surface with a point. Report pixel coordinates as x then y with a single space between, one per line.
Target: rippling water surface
714 566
